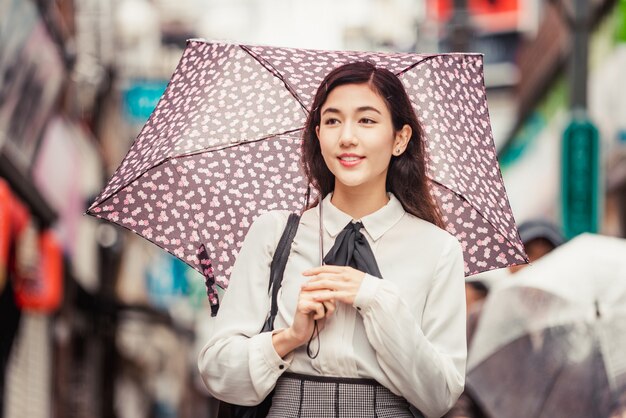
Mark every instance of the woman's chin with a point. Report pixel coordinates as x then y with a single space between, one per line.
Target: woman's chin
352 182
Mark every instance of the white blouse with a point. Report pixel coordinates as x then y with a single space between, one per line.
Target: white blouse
406 331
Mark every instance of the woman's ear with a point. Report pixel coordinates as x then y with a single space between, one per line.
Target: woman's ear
317 132
402 138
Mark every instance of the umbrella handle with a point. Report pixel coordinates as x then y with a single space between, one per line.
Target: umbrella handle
315 334
321 234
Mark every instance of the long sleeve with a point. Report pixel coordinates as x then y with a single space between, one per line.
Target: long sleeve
238 364
424 358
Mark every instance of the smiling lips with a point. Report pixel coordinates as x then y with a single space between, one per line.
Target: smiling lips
350 160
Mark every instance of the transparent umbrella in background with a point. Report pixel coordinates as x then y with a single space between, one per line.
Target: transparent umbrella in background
223 146
551 338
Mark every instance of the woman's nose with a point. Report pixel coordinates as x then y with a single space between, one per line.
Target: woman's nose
348 136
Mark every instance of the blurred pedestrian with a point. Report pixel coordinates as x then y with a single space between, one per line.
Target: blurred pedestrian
539 237
476 291
383 344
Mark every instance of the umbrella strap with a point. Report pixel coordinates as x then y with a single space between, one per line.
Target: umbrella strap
314 336
316 332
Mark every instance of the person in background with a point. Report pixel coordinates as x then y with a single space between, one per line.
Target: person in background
476 291
539 237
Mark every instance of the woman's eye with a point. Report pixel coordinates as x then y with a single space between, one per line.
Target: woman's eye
367 121
331 121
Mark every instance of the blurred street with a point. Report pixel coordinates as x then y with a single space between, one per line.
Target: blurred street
97 322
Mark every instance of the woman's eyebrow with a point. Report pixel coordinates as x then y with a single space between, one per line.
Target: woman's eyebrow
366 108
330 110
359 109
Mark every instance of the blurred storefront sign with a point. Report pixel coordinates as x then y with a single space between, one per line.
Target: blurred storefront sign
492 28
140 99
487 15
173 286
166 280
168 284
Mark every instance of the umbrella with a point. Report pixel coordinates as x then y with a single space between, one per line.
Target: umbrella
222 146
551 339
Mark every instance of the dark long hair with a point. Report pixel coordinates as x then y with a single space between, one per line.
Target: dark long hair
406 177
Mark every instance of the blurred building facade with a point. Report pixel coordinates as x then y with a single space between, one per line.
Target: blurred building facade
88 328
96 321
530 157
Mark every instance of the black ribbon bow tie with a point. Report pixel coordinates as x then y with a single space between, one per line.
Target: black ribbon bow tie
352 249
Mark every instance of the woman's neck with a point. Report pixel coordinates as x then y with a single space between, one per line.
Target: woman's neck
358 202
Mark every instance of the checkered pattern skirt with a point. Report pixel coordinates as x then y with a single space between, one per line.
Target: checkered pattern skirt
303 396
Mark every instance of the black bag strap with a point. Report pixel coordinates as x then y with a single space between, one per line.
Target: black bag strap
277 268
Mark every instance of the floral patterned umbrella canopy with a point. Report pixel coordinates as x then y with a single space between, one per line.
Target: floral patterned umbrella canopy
222 146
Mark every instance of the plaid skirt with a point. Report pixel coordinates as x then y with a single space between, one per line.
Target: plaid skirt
303 396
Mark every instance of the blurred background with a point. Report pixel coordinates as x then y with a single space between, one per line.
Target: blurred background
96 322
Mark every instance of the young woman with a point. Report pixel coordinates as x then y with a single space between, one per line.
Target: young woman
388 302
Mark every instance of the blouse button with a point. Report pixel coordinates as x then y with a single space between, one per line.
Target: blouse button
282 366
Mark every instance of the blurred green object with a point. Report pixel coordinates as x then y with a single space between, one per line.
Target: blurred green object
580 186
141 97
621 27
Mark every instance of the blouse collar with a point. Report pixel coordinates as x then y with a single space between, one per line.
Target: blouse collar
376 224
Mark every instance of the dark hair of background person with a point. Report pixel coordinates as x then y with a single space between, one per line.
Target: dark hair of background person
406 177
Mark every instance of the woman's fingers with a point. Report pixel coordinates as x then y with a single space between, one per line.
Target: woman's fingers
310 306
316 308
320 312
325 269
321 303
345 275
322 284
329 307
330 296
324 295
307 306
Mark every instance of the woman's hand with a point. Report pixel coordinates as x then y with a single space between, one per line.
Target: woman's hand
308 311
333 283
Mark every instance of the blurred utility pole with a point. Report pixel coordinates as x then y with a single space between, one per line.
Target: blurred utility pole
580 155
579 62
459 28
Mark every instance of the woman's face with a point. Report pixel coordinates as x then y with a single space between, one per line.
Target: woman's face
357 137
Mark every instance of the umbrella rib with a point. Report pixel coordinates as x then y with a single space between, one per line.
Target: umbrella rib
415 64
189 154
268 66
238 144
430 57
486 219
